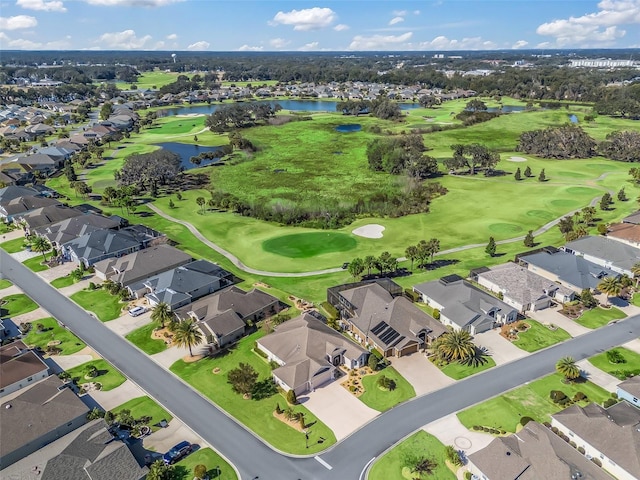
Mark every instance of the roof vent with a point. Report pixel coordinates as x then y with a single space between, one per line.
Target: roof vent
7 406
508 454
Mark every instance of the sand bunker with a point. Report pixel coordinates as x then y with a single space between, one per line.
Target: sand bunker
517 159
372 230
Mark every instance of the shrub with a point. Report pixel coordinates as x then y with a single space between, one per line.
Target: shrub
581 450
386 383
554 430
92 286
573 444
372 362
579 396
467 475
610 402
525 420
278 409
597 461
25 327
547 424
291 397
200 471
411 295
258 351
330 309
273 364
453 456
557 396
436 314
477 427
614 356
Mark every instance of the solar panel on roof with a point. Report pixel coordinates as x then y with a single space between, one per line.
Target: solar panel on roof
379 328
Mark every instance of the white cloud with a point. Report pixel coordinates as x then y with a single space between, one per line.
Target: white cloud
250 48
593 29
4 37
309 46
23 44
378 42
172 36
307 19
17 22
416 12
279 42
443 43
341 27
395 20
132 3
399 13
199 46
125 40
42 5
520 44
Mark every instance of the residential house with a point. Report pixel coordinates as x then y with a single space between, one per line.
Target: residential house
36 417
464 306
11 192
66 230
41 217
606 252
574 272
223 316
610 435
90 452
183 285
40 163
140 265
534 453
57 152
629 390
634 218
22 205
627 233
20 367
391 324
98 245
523 289
308 352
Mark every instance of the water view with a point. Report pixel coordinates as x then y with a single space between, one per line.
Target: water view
186 151
349 127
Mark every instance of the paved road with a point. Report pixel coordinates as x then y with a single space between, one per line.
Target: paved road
249 454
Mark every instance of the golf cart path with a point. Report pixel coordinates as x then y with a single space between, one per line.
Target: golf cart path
238 263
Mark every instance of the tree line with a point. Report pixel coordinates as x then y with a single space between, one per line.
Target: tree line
240 115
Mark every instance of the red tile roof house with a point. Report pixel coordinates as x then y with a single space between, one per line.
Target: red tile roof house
308 352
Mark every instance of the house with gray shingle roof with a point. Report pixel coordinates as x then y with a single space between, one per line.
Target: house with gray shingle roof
223 316
523 289
612 435
72 228
464 306
44 216
391 324
308 352
574 272
98 245
629 390
23 205
606 252
534 453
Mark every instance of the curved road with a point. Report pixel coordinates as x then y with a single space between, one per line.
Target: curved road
347 459
238 263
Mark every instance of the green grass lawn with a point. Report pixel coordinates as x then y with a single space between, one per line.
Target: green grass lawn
102 303
53 331
599 317
382 400
13 246
35 264
255 414
217 467
108 376
394 465
631 363
4 283
62 282
141 338
539 336
14 305
145 406
636 299
458 371
532 400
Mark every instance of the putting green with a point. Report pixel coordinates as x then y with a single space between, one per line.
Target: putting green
573 174
540 214
305 245
505 228
579 190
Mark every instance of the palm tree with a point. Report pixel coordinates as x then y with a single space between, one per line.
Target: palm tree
369 263
411 253
455 346
433 247
161 313
567 367
635 270
42 245
610 286
187 334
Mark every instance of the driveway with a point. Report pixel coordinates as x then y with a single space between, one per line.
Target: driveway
552 315
341 411
114 398
173 354
597 376
125 323
58 271
450 431
633 345
423 375
501 350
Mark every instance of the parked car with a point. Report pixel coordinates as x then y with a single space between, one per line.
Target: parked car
135 311
176 453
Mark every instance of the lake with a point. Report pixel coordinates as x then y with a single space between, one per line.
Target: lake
186 151
349 127
293 105
573 118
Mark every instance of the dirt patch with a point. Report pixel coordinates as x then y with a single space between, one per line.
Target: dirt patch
292 423
353 380
216 371
160 335
300 303
261 284
190 359
516 159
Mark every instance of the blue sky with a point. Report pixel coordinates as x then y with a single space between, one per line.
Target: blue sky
263 25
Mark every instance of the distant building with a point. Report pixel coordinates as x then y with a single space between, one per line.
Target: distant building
601 63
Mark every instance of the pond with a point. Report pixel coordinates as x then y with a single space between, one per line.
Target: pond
349 127
507 108
293 105
186 151
573 118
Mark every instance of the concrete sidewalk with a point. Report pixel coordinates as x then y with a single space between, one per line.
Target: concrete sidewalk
549 315
597 376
